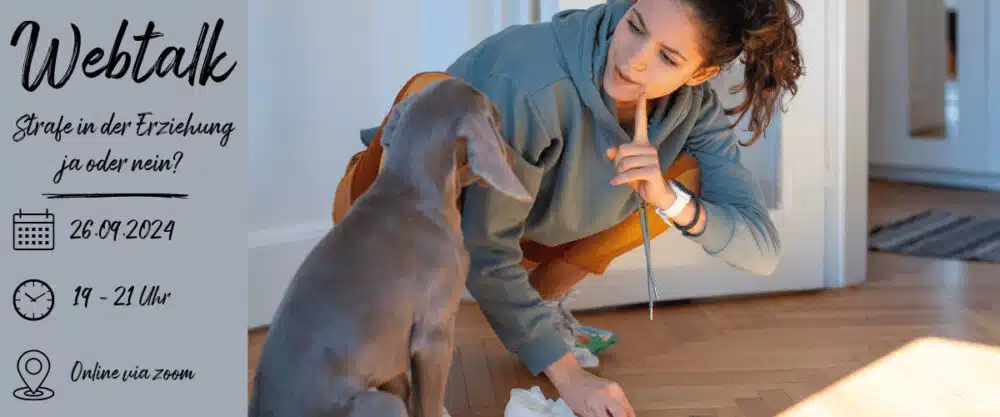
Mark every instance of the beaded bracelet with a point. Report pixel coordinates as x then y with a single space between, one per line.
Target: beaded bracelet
694 221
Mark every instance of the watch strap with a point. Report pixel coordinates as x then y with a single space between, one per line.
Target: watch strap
681 200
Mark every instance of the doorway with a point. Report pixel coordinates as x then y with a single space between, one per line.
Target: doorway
933 126
930 114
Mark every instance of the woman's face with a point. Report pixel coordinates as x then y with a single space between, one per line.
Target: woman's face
655 47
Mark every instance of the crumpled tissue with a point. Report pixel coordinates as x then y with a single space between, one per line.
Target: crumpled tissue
532 403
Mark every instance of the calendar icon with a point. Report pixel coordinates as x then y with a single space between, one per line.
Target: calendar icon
34 231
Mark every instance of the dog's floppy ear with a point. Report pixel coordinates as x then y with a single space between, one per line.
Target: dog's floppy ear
395 114
463 170
489 158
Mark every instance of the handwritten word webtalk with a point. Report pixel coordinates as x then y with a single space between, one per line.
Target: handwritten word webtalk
201 65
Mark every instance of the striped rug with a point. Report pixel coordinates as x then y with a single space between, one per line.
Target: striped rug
940 234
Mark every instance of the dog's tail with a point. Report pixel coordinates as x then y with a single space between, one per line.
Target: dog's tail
377 403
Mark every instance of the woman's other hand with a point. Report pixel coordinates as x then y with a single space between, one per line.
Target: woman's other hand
588 395
638 165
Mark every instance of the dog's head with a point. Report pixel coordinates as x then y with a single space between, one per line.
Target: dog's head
460 112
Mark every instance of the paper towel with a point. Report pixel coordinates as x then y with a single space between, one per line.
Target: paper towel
532 403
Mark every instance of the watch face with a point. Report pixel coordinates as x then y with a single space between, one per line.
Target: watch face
33 300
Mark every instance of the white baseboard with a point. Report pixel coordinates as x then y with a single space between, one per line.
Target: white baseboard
273 255
988 182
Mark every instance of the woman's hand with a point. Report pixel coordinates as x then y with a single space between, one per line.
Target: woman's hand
586 394
638 164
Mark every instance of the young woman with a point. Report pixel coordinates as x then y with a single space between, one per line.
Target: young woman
596 103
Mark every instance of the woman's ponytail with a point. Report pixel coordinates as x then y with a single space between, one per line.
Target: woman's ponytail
761 33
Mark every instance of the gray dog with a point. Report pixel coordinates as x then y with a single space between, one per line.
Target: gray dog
379 293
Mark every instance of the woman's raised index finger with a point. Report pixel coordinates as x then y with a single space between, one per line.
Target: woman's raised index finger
641 124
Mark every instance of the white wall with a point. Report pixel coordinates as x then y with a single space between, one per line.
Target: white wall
577 4
319 72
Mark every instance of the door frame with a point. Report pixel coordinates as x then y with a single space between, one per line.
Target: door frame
847 115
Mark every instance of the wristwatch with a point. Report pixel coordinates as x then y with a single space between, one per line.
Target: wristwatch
681 200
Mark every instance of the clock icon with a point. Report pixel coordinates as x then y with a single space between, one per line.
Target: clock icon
34 299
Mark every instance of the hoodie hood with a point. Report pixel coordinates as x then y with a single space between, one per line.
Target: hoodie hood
584 37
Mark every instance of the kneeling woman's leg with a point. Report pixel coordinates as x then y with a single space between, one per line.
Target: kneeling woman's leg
556 270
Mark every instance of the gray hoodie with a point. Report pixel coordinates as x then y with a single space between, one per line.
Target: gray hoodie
545 78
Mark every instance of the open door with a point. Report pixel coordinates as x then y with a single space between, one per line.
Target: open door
790 164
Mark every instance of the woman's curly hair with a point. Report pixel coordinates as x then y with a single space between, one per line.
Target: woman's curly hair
761 33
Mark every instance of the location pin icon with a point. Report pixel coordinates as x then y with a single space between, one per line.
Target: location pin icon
33 366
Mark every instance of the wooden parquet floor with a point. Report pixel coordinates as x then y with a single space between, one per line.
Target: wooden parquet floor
920 338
